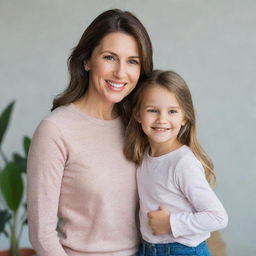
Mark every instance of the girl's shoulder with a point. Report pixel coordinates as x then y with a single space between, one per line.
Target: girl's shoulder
186 160
182 155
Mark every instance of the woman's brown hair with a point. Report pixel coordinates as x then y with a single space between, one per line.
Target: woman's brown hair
137 141
109 21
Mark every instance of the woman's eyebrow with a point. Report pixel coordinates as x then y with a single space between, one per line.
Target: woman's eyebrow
110 52
134 57
115 54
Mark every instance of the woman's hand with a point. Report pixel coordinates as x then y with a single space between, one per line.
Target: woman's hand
159 221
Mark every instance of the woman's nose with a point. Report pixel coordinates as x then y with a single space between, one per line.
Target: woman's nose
119 70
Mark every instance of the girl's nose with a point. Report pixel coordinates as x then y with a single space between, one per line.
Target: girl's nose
162 117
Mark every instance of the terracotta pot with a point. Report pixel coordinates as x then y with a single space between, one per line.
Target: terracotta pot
22 252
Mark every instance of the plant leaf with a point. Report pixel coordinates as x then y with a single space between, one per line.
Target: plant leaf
11 185
5 216
26 144
20 161
4 120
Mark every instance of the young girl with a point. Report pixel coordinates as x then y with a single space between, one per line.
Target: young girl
178 208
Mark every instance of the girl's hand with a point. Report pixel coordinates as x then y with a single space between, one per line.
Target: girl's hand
159 221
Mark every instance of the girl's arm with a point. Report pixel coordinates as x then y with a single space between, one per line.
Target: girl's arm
45 170
208 214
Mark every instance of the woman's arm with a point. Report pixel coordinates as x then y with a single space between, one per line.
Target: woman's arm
46 162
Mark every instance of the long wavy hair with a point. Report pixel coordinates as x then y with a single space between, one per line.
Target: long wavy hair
114 20
137 141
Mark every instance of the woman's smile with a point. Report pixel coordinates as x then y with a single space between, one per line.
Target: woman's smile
115 85
114 68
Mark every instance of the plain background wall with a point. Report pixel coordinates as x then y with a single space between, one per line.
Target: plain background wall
210 43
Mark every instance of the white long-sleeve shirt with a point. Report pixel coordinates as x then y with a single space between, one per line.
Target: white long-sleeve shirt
177 181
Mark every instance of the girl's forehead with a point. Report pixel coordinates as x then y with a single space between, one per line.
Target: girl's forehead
159 95
155 90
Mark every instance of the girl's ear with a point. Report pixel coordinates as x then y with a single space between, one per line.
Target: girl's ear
183 122
137 117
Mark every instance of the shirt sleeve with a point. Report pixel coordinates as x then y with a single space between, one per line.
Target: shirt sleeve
45 168
208 213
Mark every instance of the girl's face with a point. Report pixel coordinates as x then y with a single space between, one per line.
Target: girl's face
161 118
114 68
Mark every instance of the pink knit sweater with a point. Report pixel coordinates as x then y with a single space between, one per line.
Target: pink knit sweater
77 175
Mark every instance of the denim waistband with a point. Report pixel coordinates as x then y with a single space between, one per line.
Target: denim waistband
171 245
175 249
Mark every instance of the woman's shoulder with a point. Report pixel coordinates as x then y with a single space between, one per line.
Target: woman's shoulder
60 114
53 122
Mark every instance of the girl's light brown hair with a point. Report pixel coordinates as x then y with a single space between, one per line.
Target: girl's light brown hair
137 141
109 21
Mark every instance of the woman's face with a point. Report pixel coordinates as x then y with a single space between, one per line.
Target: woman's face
114 68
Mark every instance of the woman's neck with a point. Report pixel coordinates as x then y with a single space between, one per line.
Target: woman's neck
96 108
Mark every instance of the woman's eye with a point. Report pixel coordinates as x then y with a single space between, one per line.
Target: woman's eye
172 111
135 62
109 57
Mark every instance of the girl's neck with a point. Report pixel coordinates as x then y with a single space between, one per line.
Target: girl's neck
96 108
159 149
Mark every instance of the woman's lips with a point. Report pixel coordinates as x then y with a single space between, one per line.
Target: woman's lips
115 86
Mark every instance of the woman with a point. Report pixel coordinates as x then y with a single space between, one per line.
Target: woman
77 174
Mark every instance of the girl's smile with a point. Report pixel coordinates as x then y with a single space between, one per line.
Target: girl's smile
161 118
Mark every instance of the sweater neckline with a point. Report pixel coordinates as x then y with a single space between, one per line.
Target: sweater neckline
113 122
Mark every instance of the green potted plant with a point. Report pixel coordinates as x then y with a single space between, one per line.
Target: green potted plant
13 215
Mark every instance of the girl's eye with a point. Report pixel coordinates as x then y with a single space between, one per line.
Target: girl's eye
172 111
134 62
109 57
152 110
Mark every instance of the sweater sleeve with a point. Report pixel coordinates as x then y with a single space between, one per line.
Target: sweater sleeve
208 213
45 168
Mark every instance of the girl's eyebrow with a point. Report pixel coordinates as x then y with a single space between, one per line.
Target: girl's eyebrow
150 106
131 57
174 106
155 106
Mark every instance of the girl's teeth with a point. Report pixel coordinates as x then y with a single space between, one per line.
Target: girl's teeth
160 129
116 85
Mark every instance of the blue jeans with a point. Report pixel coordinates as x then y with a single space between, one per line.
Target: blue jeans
172 249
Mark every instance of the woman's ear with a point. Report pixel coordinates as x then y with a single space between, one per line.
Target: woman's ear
87 65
